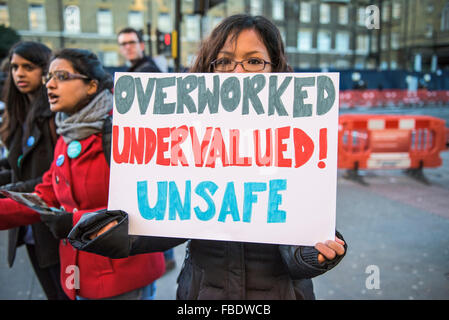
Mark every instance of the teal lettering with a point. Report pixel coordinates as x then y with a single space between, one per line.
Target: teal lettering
144 97
230 94
202 190
324 104
175 201
300 109
251 87
158 211
229 204
184 87
206 97
274 100
160 107
250 198
124 94
275 215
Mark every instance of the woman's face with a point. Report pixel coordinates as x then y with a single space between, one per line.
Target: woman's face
26 75
248 45
68 95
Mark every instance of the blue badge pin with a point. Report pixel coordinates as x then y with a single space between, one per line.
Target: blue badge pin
30 141
19 160
74 149
60 160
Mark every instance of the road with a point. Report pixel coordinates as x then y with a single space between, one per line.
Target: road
397 230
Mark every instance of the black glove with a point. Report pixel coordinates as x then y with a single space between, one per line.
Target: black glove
59 223
114 243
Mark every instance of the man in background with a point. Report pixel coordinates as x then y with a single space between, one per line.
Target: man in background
132 48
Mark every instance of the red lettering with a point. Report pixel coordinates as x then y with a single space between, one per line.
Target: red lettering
162 146
234 148
199 152
282 134
217 149
150 144
122 157
267 159
137 146
178 136
303 147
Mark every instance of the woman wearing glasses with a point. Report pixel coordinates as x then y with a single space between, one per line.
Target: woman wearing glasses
28 131
222 269
79 91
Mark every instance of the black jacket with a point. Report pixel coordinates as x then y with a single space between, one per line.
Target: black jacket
23 175
214 269
146 64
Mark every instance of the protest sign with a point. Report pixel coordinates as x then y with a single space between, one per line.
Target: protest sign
232 156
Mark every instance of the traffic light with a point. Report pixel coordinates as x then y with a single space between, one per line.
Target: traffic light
164 43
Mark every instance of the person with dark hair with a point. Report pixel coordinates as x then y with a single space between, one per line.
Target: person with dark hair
224 269
29 133
132 48
79 91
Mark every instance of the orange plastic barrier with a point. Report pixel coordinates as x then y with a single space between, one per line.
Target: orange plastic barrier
390 141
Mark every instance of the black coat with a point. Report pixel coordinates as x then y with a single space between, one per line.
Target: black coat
24 175
146 64
214 269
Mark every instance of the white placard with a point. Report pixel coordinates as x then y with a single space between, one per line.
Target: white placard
233 156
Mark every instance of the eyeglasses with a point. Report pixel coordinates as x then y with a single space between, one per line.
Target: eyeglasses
62 75
122 44
229 65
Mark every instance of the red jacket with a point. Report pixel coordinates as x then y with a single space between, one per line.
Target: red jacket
81 185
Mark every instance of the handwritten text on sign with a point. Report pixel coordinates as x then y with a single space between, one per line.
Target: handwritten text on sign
242 157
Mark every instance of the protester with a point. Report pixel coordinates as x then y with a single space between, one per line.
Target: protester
132 48
29 133
225 269
79 91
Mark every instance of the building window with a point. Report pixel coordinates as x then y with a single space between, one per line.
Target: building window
256 8
343 15
192 27
110 59
104 22
72 19
36 17
135 20
362 44
385 12
361 16
305 40
324 40
305 12
396 10
4 15
325 13
429 30
394 40
445 18
278 9
342 41
164 22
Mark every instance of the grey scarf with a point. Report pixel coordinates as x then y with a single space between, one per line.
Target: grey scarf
87 121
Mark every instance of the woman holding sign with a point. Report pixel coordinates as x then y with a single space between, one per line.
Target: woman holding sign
79 91
224 269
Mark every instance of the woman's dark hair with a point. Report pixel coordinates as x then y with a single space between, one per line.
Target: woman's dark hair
18 109
232 26
87 63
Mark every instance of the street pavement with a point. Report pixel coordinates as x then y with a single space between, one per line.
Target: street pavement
397 230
